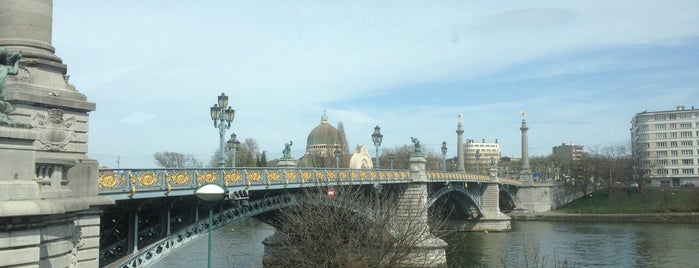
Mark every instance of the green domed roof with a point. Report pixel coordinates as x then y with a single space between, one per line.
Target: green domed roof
323 134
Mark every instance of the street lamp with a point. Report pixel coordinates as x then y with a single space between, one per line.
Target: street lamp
444 156
211 195
391 157
377 138
232 144
223 115
337 156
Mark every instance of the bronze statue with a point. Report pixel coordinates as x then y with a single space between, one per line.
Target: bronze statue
9 65
286 154
418 148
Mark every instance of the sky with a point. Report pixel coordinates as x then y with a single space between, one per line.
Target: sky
581 70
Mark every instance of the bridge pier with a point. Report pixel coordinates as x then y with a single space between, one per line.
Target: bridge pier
413 213
492 219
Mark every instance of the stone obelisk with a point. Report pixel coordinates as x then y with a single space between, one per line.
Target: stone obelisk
460 147
49 207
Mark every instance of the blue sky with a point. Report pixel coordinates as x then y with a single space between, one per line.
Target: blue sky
581 69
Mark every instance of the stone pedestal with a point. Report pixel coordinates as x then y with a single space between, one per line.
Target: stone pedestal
286 163
49 207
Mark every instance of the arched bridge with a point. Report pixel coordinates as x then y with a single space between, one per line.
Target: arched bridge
156 212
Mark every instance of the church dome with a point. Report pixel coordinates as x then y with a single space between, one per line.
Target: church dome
323 134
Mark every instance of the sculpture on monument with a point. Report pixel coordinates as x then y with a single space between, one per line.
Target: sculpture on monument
9 65
286 154
417 147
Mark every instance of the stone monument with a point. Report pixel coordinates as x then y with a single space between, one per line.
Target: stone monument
49 207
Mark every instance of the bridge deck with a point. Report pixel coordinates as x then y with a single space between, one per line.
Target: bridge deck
147 183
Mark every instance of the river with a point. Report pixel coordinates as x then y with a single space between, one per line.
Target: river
529 244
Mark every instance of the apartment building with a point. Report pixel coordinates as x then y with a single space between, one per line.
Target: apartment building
667 143
568 152
480 154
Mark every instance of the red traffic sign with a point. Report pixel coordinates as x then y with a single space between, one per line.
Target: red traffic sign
331 192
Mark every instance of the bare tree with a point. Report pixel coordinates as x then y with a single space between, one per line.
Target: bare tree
176 160
343 138
358 227
246 155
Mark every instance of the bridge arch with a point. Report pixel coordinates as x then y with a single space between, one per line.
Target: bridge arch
507 198
236 210
472 192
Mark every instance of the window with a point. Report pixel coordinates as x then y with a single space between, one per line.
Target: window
659 126
662 162
687 161
686 134
661 144
687 152
662 171
644 127
674 162
673 125
660 136
672 116
673 135
685 115
674 153
685 125
688 171
673 144
686 143
675 172
661 153
659 117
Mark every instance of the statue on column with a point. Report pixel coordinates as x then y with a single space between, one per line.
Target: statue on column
9 65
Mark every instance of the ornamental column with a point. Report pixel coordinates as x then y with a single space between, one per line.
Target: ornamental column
525 173
460 147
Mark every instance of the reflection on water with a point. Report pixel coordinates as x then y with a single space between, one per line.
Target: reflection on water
238 244
547 244
579 244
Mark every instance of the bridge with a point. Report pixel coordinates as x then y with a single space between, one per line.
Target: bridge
156 213
57 209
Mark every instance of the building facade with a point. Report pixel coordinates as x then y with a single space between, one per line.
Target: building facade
666 143
479 154
568 152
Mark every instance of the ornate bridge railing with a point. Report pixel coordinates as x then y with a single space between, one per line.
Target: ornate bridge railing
147 183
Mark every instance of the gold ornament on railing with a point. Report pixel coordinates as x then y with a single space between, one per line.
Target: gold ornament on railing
273 175
179 178
109 180
253 175
208 177
234 176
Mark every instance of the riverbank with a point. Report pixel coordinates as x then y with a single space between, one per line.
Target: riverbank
687 217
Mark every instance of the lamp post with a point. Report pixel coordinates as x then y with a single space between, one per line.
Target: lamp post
478 161
232 144
223 115
211 195
391 157
444 156
337 156
376 137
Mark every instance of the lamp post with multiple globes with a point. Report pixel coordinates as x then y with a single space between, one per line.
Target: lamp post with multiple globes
377 137
223 115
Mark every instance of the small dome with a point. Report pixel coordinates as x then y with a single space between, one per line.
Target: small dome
323 134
